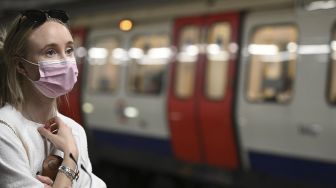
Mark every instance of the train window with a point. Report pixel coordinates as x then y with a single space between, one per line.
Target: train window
149 56
272 63
332 88
188 50
217 60
104 60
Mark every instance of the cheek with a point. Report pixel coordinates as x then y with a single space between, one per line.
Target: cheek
33 72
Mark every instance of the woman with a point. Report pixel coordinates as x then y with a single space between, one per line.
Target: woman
38 65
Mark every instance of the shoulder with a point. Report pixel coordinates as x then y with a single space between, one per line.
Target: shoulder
7 110
9 132
9 119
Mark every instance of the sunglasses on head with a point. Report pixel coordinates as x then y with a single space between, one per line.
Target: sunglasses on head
38 17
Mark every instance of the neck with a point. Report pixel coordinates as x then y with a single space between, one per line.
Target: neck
37 107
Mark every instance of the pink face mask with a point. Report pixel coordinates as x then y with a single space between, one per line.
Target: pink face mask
57 77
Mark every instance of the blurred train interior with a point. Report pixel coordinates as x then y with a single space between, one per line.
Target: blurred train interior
204 93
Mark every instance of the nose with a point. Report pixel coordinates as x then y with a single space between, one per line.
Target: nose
62 55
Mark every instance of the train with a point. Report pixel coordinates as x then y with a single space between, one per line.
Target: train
211 89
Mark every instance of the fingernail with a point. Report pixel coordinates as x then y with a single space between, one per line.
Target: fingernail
54 131
52 124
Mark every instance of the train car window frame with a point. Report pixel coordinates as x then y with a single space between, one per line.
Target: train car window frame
160 77
294 45
177 86
221 53
118 86
331 84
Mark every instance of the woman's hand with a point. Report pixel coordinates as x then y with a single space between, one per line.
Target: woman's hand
58 133
61 136
45 180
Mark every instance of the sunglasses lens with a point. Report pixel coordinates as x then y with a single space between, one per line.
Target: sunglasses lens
58 14
35 15
38 17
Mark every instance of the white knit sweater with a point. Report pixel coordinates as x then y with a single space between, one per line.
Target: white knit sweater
22 151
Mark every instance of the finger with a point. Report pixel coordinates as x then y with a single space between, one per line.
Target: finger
48 123
54 128
47 186
60 123
47 134
58 120
45 179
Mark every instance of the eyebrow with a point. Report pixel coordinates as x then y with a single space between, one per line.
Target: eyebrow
54 44
70 43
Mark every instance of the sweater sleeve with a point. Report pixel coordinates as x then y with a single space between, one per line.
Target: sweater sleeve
86 178
90 177
14 164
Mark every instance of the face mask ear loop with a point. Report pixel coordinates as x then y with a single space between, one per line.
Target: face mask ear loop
36 64
30 62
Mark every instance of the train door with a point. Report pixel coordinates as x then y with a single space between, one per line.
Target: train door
201 93
268 74
182 116
124 98
145 85
103 84
267 78
216 95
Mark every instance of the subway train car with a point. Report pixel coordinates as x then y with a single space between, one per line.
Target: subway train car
286 112
213 91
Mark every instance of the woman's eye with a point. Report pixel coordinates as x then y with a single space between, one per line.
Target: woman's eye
69 51
50 52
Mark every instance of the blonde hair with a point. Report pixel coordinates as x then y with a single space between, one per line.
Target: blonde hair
14 45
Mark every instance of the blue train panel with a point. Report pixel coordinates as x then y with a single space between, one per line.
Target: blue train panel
300 170
132 142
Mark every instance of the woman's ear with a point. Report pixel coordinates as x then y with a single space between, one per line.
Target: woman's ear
19 66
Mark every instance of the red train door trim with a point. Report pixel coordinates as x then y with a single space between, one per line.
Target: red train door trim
216 116
185 135
202 130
